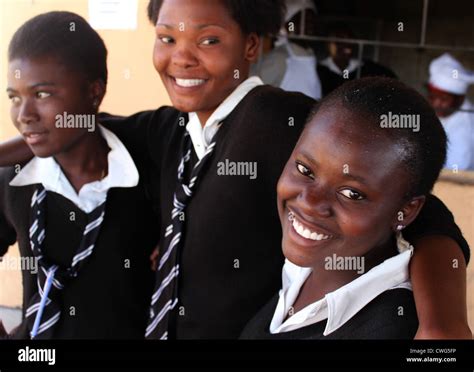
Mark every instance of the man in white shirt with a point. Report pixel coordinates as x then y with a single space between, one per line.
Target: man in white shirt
447 88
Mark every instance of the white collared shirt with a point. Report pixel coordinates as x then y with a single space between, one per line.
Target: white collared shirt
330 64
459 128
339 306
122 172
202 137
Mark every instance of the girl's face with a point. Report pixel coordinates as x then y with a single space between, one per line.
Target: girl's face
39 90
344 187
201 53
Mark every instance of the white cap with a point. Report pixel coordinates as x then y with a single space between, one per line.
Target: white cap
446 73
293 7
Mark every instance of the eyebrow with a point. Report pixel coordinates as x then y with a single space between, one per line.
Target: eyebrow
198 27
355 178
42 84
308 158
313 162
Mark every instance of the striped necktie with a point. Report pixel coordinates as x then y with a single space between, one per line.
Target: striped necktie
165 295
44 310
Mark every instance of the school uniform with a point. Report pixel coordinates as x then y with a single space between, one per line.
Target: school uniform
332 77
230 258
378 304
109 297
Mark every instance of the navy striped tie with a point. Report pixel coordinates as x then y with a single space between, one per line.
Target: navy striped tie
44 311
165 295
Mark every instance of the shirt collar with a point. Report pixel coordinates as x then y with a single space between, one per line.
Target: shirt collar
339 306
351 67
202 137
122 172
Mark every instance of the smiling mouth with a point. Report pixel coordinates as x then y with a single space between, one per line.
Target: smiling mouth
304 231
188 83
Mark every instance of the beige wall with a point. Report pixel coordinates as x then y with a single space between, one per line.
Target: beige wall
133 83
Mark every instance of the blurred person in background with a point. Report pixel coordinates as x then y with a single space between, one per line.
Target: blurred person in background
341 65
286 64
447 88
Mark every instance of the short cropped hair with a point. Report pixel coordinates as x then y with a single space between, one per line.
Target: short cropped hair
263 17
63 35
423 152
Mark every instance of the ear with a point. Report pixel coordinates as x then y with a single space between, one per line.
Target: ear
407 214
252 47
96 93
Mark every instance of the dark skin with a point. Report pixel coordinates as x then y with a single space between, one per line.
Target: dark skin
191 38
45 89
339 182
438 318
444 103
340 52
42 88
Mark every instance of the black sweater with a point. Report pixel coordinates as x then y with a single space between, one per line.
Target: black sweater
110 297
391 315
231 258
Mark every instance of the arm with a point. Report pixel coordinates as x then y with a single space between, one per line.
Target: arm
14 151
438 274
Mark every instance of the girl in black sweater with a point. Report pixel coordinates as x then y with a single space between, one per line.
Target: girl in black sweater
78 209
227 263
342 216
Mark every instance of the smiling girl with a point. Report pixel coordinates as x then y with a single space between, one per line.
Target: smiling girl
219 234
337 199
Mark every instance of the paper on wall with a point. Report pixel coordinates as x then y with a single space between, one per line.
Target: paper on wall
113 14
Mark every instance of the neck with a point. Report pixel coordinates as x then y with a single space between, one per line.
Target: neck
327 276
205 115
85 161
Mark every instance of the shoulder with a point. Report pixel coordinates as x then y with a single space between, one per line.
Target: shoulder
141 119
277 100
258 326
391 315
370 68
6 175
267 110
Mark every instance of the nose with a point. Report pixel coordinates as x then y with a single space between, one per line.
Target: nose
184 57
27 112
314 200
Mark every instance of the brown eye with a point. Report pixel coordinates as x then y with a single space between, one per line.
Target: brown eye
352 195
42 95
166 39
14 99
210 41
305 171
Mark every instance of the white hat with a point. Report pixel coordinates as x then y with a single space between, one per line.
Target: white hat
446 73
293 7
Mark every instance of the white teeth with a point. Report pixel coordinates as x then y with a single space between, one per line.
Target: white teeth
186 83
304 232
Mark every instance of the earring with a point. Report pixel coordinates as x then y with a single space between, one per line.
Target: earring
400 227
95 103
